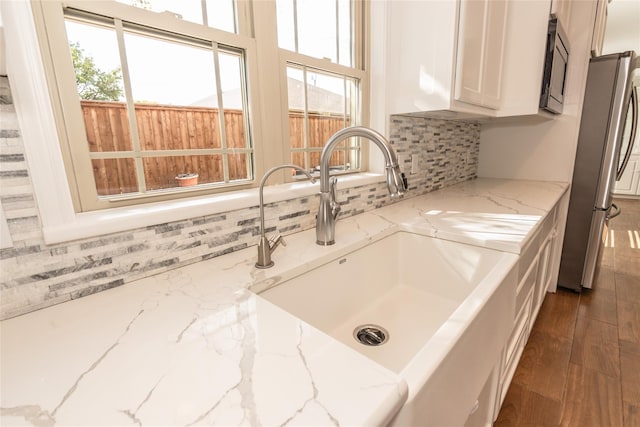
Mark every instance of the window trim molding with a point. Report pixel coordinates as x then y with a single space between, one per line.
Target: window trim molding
128 218
32 102
370 160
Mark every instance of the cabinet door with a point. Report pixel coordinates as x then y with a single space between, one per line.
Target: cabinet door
562 9
599 28
481 39
628 182
494 59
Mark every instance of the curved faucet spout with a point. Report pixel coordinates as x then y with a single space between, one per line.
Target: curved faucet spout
354 131
328 210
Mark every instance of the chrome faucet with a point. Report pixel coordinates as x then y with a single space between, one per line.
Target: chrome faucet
329 208
267 246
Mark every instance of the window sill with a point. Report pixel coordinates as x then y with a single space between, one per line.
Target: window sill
97 223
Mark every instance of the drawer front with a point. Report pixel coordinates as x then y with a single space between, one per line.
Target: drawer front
520 325
515 347
544 276
526 284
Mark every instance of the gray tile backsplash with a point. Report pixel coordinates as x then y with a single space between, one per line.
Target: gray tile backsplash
36 275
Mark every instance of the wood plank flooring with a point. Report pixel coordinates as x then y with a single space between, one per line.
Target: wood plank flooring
581 365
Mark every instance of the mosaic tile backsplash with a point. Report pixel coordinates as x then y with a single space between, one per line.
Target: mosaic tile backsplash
35 275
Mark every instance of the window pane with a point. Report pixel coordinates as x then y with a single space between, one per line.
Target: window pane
345 45
164 127
295 85
220 13
318 28
114 176
286 31
175 95
233 99
325 92
327 105
96 63
170 73
298 158
107 125
239 167
173 171
234 127
230 73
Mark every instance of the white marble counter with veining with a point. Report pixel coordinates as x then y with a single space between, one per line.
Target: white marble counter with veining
194 346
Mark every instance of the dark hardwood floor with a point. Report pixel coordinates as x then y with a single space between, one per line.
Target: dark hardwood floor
581 365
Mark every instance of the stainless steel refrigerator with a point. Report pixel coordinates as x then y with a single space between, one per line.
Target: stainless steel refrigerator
607 131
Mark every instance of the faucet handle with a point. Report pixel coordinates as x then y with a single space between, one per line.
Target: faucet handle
333 182
335 207
396 181
279 240
275 240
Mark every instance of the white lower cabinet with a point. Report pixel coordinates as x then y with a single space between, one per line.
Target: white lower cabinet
535 274
482 412
544 275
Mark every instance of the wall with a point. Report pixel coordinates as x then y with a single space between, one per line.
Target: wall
37 275
543 147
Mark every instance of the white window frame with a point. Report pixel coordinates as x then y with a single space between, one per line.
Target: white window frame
357 71
67 108
304 64
61 222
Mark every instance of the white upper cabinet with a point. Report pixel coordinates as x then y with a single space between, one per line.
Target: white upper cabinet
479 57
562 9
599 28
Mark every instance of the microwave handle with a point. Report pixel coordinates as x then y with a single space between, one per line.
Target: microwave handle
634 129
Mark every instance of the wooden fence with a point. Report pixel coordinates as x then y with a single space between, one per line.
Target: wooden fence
164 127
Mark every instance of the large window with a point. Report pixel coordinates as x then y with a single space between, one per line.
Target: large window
162 99
154 120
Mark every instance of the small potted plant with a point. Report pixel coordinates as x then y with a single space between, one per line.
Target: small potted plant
187 179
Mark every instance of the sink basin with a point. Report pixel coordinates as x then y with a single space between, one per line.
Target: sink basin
447 308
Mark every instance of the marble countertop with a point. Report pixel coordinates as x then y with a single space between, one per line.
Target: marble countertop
194 346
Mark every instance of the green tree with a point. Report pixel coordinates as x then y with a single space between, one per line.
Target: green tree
93 83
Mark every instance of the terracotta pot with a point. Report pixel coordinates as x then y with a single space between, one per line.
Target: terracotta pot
187 179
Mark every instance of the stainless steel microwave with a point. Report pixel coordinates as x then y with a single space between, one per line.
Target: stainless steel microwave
554 78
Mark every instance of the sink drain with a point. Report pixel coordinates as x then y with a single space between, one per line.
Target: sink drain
372 335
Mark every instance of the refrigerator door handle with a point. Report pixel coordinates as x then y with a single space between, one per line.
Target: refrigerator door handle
632 137
611 215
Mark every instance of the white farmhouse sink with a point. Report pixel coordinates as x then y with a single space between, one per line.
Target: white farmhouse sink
447 307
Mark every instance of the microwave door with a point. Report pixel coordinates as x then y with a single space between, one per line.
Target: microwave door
559 74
